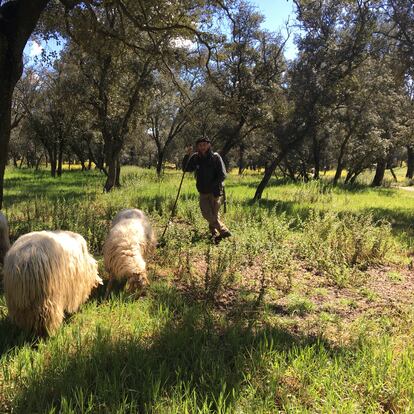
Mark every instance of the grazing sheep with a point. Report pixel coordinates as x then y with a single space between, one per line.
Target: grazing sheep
47 273
4 237
129 240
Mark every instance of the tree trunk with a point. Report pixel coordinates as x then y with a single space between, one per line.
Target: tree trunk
299 137
410 162
348 176
17 29
316 157
53 165
241 159
393 175
291 171
118 173
355 176
113 168
266 177
38 161
6 88
111 178
340 165
60 159
338 173
379 173
160 160
53 160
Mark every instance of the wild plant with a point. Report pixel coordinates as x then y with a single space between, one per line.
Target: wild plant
262 252
220 269
313 191
341 246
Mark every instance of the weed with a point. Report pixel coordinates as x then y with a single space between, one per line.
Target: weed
343 246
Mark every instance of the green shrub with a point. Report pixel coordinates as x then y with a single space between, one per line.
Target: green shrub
341 246
313 191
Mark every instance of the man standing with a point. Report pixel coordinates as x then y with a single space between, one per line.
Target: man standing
210 173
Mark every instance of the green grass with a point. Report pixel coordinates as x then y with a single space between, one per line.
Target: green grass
307 309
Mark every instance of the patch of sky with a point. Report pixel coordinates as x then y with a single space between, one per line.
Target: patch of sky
278 14
46 52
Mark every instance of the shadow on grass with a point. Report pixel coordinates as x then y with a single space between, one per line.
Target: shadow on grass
12 337
240 182
402 221
192 363
39 183
292 209
280 181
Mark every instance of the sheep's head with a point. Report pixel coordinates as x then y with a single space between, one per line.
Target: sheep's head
137 283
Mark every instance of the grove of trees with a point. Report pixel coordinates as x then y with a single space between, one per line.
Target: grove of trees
137 81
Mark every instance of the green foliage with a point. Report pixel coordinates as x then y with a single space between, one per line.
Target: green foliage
313 192
341 246
199 342
299 305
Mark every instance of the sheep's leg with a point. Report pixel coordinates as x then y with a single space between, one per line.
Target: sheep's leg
109 287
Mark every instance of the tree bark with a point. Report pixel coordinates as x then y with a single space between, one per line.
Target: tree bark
241 159
160 160
118 173
340 165
53 164
355 176
267 175
338 172
13 39
410 162
316 157
393 175
5 121
60 159
300 136
379 173
38 161
113 168
348 176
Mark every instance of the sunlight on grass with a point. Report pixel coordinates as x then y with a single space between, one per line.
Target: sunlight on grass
306 309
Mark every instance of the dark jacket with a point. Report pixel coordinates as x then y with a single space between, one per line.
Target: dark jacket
209 170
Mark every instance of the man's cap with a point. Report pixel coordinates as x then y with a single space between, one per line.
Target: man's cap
203 139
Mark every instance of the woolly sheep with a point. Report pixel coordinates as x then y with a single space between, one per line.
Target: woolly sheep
129 240
4 237
47 273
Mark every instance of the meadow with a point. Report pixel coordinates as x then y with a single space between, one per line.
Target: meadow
306 309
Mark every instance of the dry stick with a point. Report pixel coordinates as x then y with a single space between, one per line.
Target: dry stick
162 241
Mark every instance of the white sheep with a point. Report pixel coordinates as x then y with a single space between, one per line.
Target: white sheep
4 237
129 240
47 273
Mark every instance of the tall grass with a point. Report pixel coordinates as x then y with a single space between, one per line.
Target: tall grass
342 246
231 328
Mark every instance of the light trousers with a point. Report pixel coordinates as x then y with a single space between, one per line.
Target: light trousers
210 206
